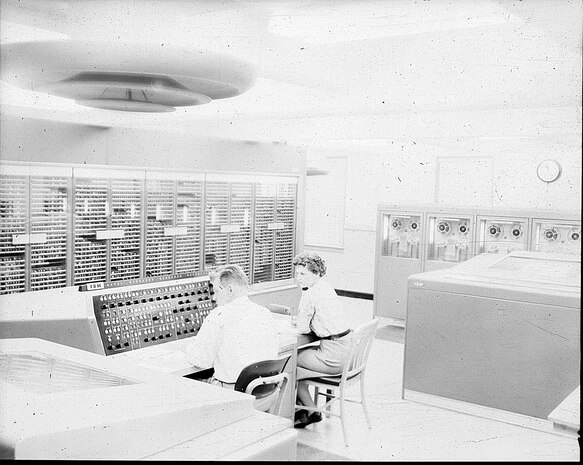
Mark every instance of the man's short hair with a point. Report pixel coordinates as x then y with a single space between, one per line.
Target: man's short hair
230 274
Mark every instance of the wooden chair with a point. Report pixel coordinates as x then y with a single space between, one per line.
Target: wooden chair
361 339
267 381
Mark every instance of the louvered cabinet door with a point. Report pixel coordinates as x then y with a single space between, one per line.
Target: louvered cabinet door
188 219
90 216
216 220
49 216
240 222
126 220
284 228
263 251
13 217
160 214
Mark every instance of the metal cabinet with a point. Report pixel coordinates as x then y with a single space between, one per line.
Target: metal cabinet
63 226
34 214
107 223
173 223
228 221
274 231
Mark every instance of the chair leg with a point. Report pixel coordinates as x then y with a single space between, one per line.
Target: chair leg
316 395
329 406
342 416
363 401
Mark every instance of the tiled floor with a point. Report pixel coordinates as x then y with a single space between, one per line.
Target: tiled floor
408 431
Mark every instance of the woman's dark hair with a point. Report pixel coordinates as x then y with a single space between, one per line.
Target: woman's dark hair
312 261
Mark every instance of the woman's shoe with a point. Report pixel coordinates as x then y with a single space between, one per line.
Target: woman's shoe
314 417
301 419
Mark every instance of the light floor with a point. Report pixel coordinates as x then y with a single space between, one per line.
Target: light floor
408 431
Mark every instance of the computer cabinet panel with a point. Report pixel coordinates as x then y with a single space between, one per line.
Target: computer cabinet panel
72 225
449 239
275 205
399 249
501 234
107 225
173 223
558 236
35 217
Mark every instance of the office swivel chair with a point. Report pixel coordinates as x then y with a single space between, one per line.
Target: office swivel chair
267 381
361 339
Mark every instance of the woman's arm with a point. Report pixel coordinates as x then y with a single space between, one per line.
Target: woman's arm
305 315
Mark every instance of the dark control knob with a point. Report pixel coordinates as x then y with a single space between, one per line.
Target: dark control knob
516 232
463 228
575 236
414 226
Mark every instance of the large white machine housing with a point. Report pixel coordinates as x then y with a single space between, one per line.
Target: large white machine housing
502 332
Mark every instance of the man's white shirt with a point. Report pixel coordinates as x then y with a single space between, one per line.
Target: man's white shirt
233 336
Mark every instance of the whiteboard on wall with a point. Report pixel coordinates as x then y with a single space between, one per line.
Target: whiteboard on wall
325 204
464 181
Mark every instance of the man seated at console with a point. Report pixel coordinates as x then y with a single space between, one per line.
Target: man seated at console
236 333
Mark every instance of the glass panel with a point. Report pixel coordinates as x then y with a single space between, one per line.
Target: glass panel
499 235
557 237
449 238
401 235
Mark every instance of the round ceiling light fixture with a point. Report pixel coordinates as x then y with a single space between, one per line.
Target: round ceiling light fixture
135 77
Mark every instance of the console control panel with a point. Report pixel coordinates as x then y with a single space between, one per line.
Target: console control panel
134 317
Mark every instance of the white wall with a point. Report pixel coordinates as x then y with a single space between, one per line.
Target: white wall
403 171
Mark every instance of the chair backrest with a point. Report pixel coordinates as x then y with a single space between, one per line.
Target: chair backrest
262 369
361 339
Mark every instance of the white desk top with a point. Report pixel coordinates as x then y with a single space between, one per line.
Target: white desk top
169 358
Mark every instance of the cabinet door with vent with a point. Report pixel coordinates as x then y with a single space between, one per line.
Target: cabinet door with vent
174 222
160 215
126 222
188 225
50 197
216 221
240 220
275 222
13 219
107 225
264 246
285 223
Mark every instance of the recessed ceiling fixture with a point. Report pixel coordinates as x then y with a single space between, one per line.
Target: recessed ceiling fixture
125 76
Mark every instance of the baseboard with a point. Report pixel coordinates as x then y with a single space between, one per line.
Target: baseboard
354 294
490 413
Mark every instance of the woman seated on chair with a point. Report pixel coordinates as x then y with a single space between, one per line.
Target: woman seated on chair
320 313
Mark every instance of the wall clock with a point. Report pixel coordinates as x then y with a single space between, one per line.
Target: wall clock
548 170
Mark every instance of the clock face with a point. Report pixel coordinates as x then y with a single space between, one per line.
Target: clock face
548 170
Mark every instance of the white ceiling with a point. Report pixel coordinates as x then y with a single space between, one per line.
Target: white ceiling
328 70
